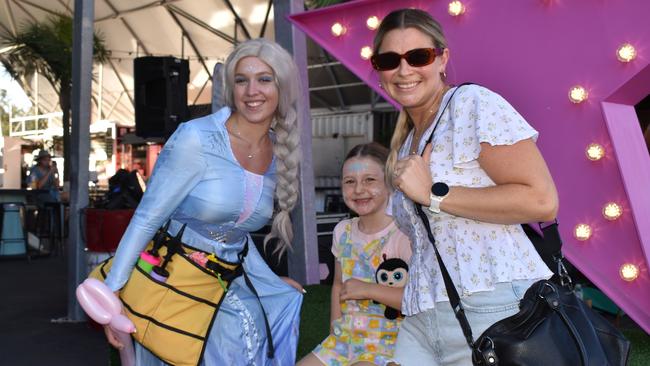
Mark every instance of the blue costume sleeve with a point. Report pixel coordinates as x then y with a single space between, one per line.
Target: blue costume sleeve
179 168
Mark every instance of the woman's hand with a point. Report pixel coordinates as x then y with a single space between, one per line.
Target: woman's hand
112 337
353 289
110 333
291 282
412 176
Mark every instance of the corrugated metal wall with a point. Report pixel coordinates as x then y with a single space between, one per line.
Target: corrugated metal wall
332 137
344 125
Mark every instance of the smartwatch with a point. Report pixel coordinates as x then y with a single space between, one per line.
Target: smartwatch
439 191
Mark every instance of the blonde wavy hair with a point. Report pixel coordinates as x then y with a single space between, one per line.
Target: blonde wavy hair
402 19
285 126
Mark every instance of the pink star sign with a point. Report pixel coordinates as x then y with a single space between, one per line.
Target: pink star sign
575 70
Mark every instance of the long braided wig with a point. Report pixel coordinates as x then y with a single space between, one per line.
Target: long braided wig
285 125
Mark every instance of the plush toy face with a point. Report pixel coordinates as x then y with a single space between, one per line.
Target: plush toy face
392 272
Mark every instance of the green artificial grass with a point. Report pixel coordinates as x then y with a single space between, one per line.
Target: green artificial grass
640 353
314 318
314 327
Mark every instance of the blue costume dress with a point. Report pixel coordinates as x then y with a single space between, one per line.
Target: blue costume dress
197 181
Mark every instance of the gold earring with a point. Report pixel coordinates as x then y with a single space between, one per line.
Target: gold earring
443 75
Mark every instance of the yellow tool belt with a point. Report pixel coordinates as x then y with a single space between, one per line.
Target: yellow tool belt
173 318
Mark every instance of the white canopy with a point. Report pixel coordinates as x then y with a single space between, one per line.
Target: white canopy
201 31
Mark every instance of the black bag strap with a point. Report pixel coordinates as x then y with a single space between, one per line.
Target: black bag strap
174 246
269 337
550 233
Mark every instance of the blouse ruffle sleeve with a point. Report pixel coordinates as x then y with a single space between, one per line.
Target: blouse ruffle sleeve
178 169
481 115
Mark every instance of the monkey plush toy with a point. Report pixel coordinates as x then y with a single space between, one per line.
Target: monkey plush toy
392 272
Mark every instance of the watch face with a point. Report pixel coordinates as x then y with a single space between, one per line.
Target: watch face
440 189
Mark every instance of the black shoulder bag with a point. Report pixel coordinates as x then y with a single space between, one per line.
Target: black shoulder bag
553 326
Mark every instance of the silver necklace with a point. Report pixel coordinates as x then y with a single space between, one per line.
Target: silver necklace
251 154
432 112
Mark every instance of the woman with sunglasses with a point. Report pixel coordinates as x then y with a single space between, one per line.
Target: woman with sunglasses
479 178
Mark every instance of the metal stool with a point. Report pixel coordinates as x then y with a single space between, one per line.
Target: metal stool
13 238
55 216
49 226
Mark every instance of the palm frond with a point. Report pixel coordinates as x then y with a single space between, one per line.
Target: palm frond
315 4
47 48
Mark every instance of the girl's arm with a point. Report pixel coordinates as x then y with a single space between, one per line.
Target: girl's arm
354 289
335 306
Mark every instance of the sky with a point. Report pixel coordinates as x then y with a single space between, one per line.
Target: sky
14 92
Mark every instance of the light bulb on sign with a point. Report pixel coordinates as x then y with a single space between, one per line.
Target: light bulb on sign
612 211
595 152
456 8
372 23
582 232
629 272
626 52
578 94
366 52
338 29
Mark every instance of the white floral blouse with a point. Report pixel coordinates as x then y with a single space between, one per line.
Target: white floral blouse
477 254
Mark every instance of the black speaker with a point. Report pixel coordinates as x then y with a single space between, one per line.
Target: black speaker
160 95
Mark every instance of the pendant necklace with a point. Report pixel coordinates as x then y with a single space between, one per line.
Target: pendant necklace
251 154
432 112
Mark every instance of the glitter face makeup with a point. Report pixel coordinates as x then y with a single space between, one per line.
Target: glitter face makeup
255 92
358 166
363 186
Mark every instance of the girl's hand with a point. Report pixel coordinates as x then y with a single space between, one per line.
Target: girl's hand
412 176
354 289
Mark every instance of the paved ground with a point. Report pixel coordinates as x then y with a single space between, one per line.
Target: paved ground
32 294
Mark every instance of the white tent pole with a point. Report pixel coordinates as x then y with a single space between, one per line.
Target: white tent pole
303 259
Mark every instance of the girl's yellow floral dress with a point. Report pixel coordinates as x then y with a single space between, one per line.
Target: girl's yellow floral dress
363 333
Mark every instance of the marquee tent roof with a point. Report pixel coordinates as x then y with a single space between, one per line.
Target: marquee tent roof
201 31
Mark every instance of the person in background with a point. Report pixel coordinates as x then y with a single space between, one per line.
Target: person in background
478 179
45 176
218 175
371 268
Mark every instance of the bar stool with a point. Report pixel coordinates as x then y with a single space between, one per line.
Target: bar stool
49 228
13 238
54 211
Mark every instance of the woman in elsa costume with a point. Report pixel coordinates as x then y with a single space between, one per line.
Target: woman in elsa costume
218 176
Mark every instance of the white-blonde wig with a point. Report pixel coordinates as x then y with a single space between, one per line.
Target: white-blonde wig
285 125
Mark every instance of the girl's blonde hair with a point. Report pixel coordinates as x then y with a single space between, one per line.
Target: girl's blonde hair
402 19
285 125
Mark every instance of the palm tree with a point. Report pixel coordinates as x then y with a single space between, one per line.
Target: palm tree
47 48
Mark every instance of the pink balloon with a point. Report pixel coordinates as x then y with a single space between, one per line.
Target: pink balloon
122 323
104 295
127 354
101 304
90 305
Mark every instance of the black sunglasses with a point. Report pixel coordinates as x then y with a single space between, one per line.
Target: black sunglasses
417 57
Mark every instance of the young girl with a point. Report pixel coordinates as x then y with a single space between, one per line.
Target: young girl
369 249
